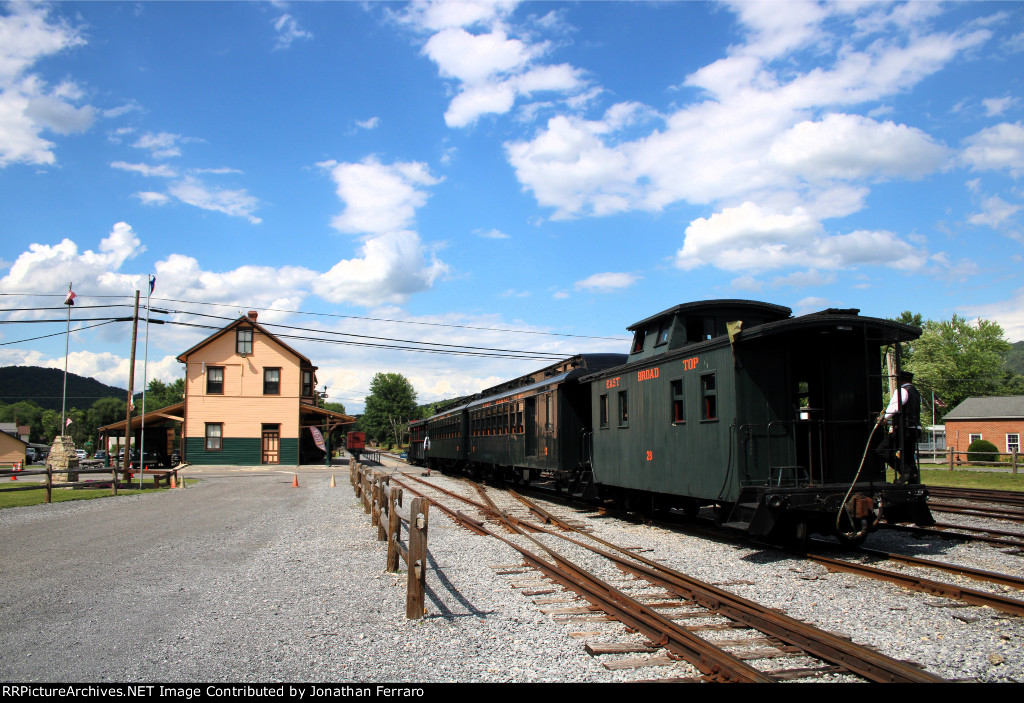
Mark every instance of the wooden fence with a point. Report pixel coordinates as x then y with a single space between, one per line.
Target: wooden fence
382 501
11 476
954 459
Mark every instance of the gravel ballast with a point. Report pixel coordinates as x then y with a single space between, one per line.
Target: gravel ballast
244 578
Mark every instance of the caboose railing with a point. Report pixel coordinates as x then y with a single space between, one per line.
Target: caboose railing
799 452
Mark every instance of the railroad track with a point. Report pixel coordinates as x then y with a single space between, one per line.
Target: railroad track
715 662
978 494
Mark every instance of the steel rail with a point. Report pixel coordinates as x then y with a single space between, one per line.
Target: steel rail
978 494
916 583
824 645
978 511
941 529
711 661
663 632
976 574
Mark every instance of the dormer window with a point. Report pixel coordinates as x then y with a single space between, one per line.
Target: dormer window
663 333
243 340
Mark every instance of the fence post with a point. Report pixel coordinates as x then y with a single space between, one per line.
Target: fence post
1013 461
419 512
951 452
49 482
394 530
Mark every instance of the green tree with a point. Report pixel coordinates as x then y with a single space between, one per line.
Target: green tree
389 407
958 359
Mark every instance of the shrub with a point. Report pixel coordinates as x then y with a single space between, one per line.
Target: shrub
975 452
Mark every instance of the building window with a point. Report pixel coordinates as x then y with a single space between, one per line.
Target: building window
243 340
678 407
623 409
215 380
271 381
214 436
604 411
1012 443
307 383
710 395
974 437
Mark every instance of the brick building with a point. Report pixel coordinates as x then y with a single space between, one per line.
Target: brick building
998 420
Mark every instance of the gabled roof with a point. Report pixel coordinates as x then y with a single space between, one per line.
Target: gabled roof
244 319
1009 406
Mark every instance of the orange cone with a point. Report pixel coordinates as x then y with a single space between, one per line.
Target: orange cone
295 481
173 482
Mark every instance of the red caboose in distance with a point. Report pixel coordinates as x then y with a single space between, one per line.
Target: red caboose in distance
355 443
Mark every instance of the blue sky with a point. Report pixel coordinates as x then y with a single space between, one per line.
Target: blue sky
499 175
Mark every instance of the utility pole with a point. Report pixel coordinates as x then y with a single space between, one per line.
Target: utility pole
131 391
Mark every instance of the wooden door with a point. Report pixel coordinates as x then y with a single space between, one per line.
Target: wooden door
271 444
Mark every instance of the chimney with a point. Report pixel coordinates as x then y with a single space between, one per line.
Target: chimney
252 315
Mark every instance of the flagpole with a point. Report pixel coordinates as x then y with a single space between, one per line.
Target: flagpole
69 301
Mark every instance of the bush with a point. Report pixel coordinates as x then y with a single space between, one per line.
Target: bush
976 452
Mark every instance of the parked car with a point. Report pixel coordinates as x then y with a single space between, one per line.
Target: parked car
82 456
101 455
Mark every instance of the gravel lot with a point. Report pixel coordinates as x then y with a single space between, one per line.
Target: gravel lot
244 578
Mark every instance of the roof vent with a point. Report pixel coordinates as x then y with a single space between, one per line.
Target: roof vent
253 315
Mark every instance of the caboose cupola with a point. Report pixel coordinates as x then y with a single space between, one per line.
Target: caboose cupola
691 323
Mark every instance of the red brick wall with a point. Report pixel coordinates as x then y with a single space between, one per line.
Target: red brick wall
958 432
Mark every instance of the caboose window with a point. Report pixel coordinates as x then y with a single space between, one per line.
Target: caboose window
663 333
623 409
678 407
604 411
638 341
710 396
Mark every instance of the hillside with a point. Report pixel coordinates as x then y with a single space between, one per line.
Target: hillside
44 387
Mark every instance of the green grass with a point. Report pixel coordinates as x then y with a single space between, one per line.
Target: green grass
12 499
965 478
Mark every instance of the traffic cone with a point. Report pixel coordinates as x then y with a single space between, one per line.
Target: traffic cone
295 481
173 482
333 484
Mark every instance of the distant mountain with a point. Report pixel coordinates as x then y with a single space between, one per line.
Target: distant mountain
1015 358
44 387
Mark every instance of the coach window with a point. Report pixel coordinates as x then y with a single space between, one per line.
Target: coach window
271 381
623 409
243 340
604 411
678 407
547 412
215 380
710 396
214 436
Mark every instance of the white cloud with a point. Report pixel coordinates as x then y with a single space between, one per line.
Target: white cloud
161 145
378 198
236 203
392 267
850 147
997 106
288 31
162 170
1008 313
607 282
27 105
48 269
372 123
491 68
149 197
996 148
752 238
995 212
765 127
493 234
